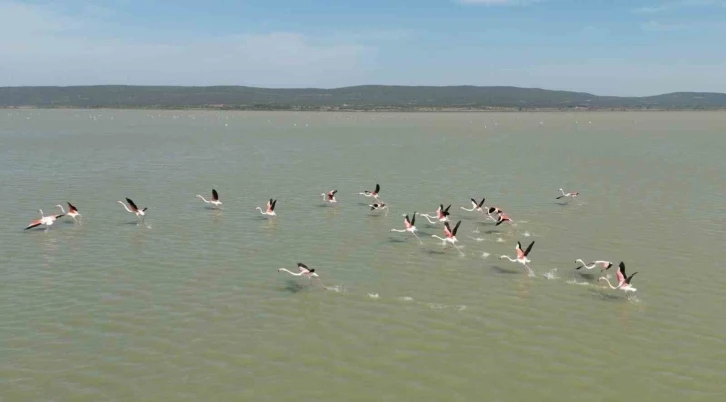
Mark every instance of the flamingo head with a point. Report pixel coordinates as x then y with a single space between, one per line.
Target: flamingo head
59 206
120 202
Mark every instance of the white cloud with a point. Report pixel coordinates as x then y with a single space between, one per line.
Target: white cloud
45 47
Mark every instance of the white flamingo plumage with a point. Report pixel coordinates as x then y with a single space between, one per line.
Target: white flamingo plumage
270 211
521 256
442 215
46 221
450 236
132 208
304 271
72 212
570 195
603 264
475 206
623 280
330 196
373 193
214 201
410 227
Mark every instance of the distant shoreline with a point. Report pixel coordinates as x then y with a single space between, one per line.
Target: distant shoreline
364 98
374 109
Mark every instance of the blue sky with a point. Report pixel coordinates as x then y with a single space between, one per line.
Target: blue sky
608 47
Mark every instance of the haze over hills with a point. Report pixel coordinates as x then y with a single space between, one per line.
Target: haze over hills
356 97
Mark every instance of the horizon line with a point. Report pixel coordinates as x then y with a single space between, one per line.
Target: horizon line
360 85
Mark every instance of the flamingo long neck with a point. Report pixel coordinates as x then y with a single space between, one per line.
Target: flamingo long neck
509 258
584 264
126 208
563 192
440 238
609 284
291 273
202 198
41 213
63 211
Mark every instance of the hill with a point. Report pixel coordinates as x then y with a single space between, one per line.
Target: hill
357 97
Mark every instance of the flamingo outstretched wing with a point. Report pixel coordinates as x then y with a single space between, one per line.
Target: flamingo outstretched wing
520 253
526 252
132 205
215 196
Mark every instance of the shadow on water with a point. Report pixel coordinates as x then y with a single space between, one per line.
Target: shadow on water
562 204
492 231
293 286
436 252
505 271
397 240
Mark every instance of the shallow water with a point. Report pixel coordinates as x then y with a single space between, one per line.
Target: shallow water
190 305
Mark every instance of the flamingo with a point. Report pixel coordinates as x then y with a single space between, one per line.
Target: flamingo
409 224
379 206
214 201
373 193
450 235
521 256
475 206
442 215
330 197
604 264
72 211
47 221
492 210
304 271
270 208
571 195
623 280
503 218
140 213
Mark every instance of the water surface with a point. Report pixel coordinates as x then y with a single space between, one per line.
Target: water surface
190 305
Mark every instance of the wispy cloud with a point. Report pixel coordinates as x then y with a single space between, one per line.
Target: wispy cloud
679 4
49 47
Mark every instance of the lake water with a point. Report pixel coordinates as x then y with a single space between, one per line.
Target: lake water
190 306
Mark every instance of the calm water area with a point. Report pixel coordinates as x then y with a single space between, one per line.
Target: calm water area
190 306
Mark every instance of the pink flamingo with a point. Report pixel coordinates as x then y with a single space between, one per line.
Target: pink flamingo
603 264
450 236
72 212
570 195
623 280
46 221
521 256
409 224
304 272
270 211
330 197
442 215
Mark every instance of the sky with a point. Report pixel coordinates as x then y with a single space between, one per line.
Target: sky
605 47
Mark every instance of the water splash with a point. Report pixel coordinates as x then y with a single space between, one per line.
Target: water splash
373 295
500 240
484 254
551 274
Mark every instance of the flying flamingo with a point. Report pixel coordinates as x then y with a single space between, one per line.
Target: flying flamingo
373 193
521 256
571 195
503 218
214 201
72 211
304 271
47 221
270 208
475 206
442 215
409 223
493 210
450 235
140 213
623 280
603 264
379 206
330 197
